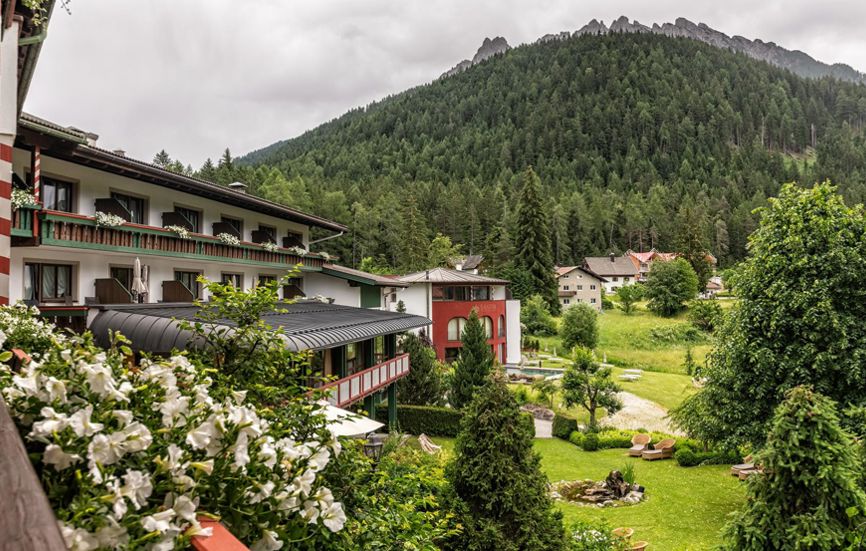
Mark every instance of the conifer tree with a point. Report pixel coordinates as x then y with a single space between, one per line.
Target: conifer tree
423 385
162 159
473 364
809 483
413 242
497 474
533 260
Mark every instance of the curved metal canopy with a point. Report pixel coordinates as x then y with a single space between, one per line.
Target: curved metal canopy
306 325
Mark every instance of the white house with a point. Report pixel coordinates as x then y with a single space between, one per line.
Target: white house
577 284
617 271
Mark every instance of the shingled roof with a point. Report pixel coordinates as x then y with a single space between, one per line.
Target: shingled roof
446 275
606 266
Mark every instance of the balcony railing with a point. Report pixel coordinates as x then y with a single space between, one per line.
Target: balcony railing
23 221
64 229
358 385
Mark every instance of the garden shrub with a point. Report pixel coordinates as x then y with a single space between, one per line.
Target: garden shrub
673 334
590 442
429 420
563 426
593 536
576 438
706 314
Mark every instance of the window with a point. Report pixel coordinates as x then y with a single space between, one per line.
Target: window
293 288
123 274
626 279
135 206
270 231
192 216
294 239
565 301
565 288
502 353
451 354
235 280
190 281
236 223
592 287
501 326
592 301
265 279
580 287
455 328
47 282
379 348
487 322
481 293
352 360
614 278
56 194
461 292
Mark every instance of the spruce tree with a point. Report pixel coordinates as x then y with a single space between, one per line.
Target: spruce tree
423 385
473 364
534 259
498 476
808 485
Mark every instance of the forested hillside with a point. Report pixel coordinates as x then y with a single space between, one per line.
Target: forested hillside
633 136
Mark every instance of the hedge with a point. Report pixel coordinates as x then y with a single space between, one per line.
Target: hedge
563 426
429 420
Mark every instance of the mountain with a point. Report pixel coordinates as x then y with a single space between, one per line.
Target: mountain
795 61
630 133
488 49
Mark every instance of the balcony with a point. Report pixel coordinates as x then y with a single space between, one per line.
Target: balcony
563 293
350 389
22 221
63 229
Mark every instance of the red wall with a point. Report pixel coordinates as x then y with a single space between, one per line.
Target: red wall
444 311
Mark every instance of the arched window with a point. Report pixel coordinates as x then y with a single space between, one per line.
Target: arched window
455 328
488 326
501 326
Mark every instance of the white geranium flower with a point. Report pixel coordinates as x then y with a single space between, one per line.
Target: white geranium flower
106 450
303 484
185 508
80 422
173 461
165 543
124 416
269 542
323 498
56 390
287 502
310 512
27 382
207 436
102 383
163 374
174 406
159 522
335 446
320 459
195 529
137 437
334 517
54 455
137 487
241 452
52 422
78 539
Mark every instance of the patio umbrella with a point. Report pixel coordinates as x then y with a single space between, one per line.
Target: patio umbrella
145 272
138 287
346 423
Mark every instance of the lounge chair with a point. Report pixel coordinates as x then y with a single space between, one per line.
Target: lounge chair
427 445
746 473
639 443
662 450
623 533
638 546
747 465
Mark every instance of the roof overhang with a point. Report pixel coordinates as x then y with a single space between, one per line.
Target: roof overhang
357 276
306 325
30 36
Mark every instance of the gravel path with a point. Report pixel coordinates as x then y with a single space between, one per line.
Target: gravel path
638 413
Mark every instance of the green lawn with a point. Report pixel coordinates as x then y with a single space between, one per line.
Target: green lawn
625 340
685 507
665 389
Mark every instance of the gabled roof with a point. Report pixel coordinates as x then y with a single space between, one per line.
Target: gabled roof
307 325
447 275
76 149
561 271
350 274
605 267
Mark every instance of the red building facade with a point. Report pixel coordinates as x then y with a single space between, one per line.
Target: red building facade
449 317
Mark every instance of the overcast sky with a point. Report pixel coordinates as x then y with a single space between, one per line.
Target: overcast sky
195 76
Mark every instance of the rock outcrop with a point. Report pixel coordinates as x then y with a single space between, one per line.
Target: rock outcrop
488 49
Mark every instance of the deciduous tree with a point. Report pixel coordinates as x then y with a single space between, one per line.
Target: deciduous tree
588 384
579 327
670 284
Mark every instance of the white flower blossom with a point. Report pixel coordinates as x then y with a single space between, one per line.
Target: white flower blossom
303 484
124 416
112 535
204 466
80 422
78 539
54 455
56 390
334 517
137 487
175 406
52 422
267 452
320 459
137 437
185 508
265 491
159 522
268 542
310 512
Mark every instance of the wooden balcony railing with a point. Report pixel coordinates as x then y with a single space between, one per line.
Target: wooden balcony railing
358 385
23 221
74 230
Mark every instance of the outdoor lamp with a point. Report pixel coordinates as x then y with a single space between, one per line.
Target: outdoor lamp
373 446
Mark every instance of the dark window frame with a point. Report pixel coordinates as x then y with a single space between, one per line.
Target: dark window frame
51 181
130 200
195 221
37 281
196 288
235 222
225 276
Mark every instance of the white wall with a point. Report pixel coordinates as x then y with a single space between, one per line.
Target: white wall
332 287
418 300
611 286
512 328
94 184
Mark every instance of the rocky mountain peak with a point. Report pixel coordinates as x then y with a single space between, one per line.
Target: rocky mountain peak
489 48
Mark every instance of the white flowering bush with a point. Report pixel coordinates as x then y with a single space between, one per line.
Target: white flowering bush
131 456
270 246
180 231
22 198
106 220
300 251
228 239
593 536
325 256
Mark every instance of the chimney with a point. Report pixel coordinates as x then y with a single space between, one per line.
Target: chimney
91 138
119 152
427 275
240 187
612 257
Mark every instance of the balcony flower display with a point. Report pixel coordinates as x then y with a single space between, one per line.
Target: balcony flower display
300 251
106 220
228 239
325 256
22 198
181 231
270 246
